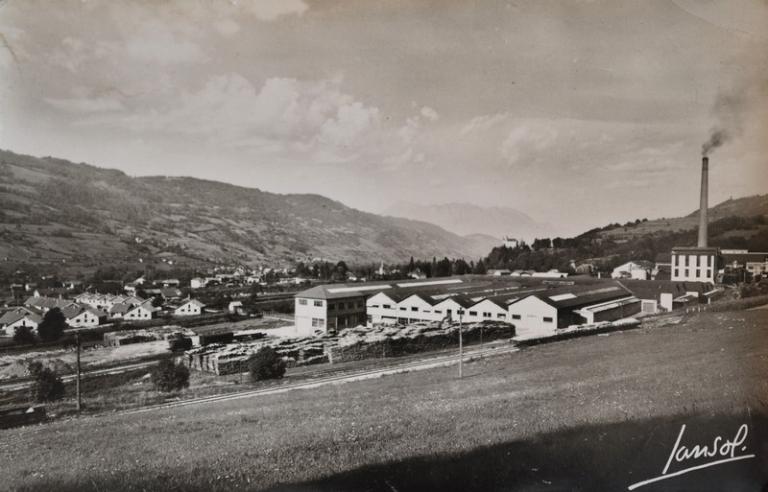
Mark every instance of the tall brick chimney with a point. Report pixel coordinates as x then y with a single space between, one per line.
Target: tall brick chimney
703 202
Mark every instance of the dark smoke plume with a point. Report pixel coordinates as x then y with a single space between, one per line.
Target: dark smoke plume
716 139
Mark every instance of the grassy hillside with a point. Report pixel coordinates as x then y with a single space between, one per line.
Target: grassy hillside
54 210
746 207
540 419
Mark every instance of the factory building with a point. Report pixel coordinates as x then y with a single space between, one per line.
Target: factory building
534 307
699 264
543 313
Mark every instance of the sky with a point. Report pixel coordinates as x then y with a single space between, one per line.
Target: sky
578 113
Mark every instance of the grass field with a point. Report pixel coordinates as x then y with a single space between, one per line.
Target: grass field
585 414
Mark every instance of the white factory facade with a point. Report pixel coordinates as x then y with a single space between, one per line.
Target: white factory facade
534 307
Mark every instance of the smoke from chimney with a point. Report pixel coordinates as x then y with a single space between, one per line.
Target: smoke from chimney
717 138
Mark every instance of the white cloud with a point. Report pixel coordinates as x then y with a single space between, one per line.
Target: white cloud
429 113
226 27
351 120
527 138
155 42
269 10
86 105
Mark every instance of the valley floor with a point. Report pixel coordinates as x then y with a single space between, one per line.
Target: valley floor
598 412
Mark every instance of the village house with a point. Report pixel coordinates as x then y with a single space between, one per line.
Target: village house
191 307
141 312
18 317
638 270
79 316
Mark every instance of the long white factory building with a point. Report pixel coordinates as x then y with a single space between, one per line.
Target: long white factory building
534 306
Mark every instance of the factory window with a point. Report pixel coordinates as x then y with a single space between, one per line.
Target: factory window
486 315
677 272
515 316
414 308
318 303
501 315
437 311
318 322
374 305
360 305
369 318
402 321
547 319
698 272
460 311
709 272
687 273
427 311
473 313
331 307
403 309
350 305
303 302
386 306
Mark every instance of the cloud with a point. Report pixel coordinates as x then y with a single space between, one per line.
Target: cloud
283 115
429 113
226 27
350 121
155 42
270 10
527 139
86 105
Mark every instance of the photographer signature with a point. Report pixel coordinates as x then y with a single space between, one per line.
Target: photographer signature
721 449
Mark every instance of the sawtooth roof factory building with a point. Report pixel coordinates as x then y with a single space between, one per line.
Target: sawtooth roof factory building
535 307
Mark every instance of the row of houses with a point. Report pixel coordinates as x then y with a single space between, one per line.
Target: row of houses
89 310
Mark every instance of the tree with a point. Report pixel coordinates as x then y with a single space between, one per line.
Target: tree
266 364
23 335
168 376
53 325
46 384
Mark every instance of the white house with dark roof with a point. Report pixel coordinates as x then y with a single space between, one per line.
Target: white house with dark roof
79 316
142 312
190 307
18 317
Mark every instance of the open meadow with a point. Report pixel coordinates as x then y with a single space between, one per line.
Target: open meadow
605 409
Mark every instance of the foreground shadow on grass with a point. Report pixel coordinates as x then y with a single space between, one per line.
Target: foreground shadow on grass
587 458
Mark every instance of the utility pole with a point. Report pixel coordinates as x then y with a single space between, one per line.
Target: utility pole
77 387
461 345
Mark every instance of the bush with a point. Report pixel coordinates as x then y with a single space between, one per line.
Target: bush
47 385
52 326
23 335
179 344
266 364
168 376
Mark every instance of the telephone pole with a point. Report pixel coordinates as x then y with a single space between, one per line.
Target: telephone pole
77 383
461 345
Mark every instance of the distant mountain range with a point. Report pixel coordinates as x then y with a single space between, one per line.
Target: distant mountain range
55 210
465 219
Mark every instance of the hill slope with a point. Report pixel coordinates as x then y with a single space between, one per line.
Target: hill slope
54 210
465 218
745 207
